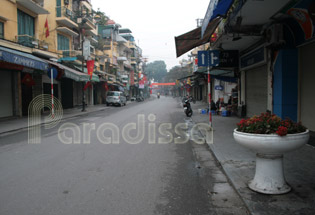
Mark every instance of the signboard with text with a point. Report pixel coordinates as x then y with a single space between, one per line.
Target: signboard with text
254 58
224 58
229 58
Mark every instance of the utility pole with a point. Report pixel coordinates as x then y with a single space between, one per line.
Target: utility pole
83 93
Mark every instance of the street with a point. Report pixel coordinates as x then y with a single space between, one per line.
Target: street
92 177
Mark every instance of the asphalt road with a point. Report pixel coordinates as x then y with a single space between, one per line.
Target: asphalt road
94 177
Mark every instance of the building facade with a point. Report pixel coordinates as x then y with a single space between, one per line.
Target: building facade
37 36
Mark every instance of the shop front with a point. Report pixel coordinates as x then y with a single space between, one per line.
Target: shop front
307 86
254 85
71 85
20 81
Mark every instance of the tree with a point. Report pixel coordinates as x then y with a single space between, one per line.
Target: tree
177 72
156 70
102 17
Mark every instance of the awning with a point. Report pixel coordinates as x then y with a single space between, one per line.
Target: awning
189 76
23 59
100 72
71 73
192 39
215 9
220 74
95 77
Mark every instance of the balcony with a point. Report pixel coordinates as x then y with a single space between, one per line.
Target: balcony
132 45
107 45
65 17
32 42
92 52
93 40
86 21
67 31
121 59
36 6
87 4
133 60
111 78
92 32
71 53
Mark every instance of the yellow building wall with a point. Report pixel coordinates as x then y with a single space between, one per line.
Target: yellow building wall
50 5
8 10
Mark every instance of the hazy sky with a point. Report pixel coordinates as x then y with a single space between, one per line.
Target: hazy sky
154 24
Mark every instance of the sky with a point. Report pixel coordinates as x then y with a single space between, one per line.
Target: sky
154 24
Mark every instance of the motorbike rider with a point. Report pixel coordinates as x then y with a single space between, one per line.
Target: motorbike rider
158 95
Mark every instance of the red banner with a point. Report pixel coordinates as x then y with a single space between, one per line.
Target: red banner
145 80
90 67
132 78
162 84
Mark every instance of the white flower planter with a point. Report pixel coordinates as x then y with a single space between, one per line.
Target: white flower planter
269 148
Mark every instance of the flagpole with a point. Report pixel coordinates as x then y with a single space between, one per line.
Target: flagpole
52 92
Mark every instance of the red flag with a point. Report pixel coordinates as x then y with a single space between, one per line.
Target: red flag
90 67
46 28
88 84
105 86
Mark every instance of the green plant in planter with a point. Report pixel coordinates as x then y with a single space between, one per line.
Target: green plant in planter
268 123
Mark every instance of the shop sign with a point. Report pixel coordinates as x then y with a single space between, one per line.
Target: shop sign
86 49
228 58
218 87
21 60
253 58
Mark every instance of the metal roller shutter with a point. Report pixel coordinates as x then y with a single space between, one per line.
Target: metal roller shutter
256 91
307 86
6 108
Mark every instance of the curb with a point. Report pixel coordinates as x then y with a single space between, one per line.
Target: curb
67 117
43 123
212 151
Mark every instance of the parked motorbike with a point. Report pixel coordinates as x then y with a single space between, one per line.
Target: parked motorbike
187 108
139 99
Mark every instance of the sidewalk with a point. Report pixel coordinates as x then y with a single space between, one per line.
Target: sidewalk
15 124
239 165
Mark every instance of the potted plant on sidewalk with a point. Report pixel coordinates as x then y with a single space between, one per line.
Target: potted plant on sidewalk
270 137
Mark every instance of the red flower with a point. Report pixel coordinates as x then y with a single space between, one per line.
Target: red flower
268 123
282 131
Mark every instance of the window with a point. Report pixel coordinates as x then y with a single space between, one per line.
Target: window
63 42
1 30
26 29
113 93
26 24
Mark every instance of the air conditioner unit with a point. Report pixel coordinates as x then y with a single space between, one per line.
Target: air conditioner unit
274 36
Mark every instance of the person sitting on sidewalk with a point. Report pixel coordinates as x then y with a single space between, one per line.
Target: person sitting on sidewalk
213 106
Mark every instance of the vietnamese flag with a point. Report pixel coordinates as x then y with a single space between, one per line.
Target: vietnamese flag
88 84
90 67
46 28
